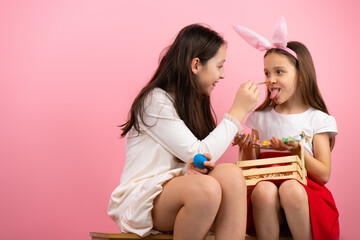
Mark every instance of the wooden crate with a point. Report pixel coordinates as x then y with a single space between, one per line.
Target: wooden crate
264 169
278 168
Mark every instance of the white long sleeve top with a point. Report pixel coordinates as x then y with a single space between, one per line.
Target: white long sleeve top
155 155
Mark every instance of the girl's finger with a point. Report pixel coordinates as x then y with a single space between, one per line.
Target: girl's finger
202 170
282 144
253 87
247 140
209 164
207 155
236 140
255 139
248 85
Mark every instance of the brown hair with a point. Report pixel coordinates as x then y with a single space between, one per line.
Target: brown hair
307 79
174 75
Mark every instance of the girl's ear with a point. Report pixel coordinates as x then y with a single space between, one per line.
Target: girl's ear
300 80
300 83
195 65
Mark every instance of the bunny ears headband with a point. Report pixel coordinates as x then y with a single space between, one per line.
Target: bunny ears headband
279 39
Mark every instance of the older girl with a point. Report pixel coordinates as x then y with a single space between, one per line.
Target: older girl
170 121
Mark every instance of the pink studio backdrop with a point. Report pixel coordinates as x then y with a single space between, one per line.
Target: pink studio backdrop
69 71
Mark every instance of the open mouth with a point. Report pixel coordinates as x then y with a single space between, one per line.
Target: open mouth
274 93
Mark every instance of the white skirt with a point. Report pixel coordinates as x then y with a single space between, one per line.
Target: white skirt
130 206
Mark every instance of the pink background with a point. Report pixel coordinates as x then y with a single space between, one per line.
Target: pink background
69 71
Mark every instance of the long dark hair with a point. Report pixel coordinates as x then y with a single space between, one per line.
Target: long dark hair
306 79
174 75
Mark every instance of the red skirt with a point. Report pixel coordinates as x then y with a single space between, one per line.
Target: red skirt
324 215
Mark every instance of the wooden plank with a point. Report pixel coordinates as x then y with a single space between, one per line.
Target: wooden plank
275 170
271 170
268 161
252 182
130 236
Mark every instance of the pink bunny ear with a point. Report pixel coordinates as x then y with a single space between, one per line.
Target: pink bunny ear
279 39
252 38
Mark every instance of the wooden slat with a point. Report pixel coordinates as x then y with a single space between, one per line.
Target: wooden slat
268 161
271 170
275 170
253 182
129 236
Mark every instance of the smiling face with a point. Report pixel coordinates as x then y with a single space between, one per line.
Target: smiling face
282 77
209 74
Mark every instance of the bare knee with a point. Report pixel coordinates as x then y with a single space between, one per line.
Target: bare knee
264 194
203 192
229 174
292 194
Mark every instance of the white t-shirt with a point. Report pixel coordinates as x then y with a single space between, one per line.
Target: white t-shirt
269 123
157 154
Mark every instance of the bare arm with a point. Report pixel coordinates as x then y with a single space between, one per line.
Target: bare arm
319 166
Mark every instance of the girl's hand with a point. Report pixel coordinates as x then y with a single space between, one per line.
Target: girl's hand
246 98
244 140
279 145
192 169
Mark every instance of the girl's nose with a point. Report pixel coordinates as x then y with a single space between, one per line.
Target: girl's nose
273 80
222 75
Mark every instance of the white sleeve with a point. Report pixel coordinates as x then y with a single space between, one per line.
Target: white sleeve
250 121
166 128
327 124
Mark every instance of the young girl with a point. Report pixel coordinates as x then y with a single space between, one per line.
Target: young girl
170 121
293 104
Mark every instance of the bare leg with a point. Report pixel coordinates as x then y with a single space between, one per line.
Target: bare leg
188 205
294 201
266 210
230 221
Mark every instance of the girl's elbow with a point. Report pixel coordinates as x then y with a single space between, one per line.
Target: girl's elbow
324 179
321 179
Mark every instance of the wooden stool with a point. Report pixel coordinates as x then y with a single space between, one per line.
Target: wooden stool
129 236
